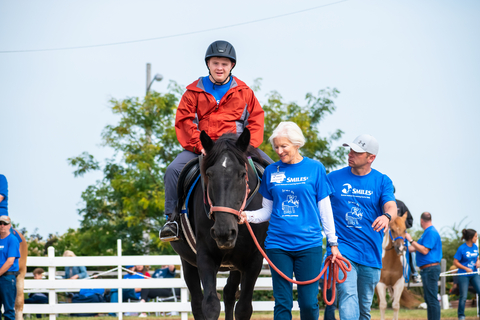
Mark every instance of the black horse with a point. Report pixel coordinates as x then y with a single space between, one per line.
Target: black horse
221 243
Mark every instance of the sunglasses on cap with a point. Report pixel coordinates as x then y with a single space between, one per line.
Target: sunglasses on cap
2 223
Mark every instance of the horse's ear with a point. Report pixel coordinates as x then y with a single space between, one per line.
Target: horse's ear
207 142
244 140
404 217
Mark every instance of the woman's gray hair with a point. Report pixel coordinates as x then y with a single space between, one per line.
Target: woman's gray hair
289 130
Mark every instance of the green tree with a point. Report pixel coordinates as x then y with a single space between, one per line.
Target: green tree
128 203
308 118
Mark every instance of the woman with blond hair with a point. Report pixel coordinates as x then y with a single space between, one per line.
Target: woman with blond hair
296 201
74 272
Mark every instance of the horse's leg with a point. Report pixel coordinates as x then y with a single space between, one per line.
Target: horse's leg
22 264
382 299
208 269
244 309
397 294
229 292
193 283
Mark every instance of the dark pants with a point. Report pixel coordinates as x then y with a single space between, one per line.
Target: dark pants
8 293
306 266
463 283
37 299
173 172
149 293
330 310
80 298
430 278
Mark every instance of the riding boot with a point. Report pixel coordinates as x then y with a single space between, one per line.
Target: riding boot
169 231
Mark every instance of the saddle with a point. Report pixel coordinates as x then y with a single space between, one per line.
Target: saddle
189 176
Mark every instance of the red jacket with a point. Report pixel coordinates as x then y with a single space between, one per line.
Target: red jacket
198 110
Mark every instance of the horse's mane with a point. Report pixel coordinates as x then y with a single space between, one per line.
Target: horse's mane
227 142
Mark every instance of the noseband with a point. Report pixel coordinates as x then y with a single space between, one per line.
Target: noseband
227 209
393 240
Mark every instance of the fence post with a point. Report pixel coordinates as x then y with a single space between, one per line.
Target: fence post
443 296
52 271
120 290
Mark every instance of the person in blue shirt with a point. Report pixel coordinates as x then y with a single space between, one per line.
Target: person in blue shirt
363 204
3 196
9 254
429 254
72 273
296 203
467 261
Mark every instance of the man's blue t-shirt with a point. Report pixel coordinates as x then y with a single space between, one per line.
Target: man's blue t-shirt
9 247
295 190
91 292
214 89
356 203
431 240
164 273
467 256
4 193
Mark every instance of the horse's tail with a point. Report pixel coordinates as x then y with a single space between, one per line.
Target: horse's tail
409 299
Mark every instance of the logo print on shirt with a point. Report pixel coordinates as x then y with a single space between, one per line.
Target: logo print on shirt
353 216
347 189
289 205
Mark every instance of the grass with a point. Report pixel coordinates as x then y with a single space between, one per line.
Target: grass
416 314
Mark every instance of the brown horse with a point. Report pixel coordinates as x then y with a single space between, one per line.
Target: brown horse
22 264
392 271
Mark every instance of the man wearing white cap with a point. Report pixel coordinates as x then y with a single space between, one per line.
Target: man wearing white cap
9 254
363 205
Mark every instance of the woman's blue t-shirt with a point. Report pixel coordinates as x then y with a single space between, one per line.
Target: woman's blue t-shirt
467 256
295 190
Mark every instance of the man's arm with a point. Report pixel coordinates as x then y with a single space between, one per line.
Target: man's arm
255 121
188 133
1 198
415 246
382 222
7 265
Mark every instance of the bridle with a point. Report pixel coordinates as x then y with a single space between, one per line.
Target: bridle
227 209
393 240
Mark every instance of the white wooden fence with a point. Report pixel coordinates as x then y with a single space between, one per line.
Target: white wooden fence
52 286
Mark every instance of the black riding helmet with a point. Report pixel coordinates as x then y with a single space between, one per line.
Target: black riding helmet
221 48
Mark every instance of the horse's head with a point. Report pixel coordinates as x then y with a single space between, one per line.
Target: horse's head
397 233
226 178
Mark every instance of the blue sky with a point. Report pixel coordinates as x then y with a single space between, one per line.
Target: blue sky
408 72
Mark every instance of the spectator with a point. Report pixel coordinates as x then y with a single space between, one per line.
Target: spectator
88 296
9 254
363 205
74 272
3 196
467 261
296 203
429 254
143 270
37 297
132 294
152 293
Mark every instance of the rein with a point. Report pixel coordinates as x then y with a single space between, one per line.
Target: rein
331 279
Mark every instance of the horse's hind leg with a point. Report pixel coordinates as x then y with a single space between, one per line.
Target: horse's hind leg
193 283
397 295
382 299
229 293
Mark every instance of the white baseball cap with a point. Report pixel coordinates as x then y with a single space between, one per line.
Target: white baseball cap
364 143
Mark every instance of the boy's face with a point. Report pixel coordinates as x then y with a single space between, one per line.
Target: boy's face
38 276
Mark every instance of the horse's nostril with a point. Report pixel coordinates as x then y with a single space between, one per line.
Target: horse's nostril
233 234
212 232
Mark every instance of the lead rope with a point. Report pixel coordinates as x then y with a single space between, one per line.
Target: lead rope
332 277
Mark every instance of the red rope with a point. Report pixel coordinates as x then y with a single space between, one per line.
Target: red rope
333 273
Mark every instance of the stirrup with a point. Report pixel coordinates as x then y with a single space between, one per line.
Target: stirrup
170 237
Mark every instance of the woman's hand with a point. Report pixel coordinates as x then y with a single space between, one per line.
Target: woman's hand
478 263
468 269
243 218
335 253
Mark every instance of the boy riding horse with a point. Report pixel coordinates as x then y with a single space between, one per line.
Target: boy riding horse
216 104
